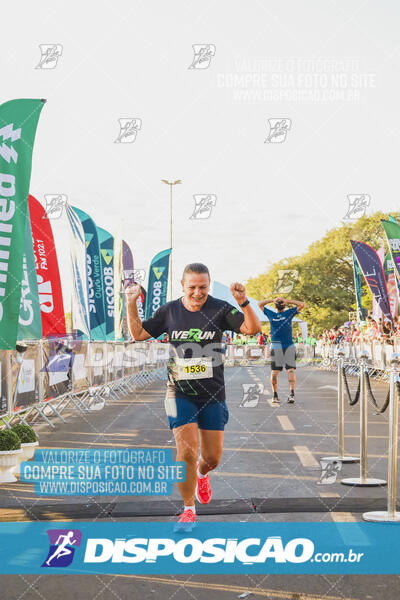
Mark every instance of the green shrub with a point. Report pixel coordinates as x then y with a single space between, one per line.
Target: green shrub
9 440
25 433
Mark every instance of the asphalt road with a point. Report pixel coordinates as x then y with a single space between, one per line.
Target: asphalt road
269 471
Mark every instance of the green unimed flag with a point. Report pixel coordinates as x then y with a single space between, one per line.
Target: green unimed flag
30 319
18 123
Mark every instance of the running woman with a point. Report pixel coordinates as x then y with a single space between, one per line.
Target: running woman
283 350
195 400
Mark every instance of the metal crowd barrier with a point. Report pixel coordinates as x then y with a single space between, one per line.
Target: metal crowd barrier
363 480
42 379
377 357
340 408
389 515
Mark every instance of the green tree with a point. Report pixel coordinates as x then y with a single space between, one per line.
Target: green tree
325 273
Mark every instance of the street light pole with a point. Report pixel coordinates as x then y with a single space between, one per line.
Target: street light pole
170 242
170 183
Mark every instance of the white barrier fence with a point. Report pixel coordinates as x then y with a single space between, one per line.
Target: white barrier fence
255 354
378 355
40 379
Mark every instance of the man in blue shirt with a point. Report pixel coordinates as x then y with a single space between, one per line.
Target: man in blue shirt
283 351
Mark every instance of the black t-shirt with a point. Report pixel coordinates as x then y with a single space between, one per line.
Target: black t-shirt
195 368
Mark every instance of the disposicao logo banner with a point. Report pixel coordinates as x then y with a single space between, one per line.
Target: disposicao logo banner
212 548
94 277
158 282
18 123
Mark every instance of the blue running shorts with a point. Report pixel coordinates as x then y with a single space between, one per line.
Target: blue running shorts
181 411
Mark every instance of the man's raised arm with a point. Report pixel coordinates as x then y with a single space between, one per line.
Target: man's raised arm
134 323
300 305
251 324
264 302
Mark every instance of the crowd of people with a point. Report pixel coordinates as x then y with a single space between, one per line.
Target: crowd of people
262 339
371 329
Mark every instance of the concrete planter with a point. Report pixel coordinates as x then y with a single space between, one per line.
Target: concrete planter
28 451
8 461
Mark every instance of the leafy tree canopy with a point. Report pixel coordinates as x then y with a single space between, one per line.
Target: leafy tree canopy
325 273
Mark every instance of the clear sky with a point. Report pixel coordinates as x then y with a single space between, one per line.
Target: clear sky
329 68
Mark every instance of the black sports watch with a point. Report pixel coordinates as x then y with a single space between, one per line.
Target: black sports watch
245 303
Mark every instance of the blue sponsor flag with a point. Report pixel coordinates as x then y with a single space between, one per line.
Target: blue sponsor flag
94 277
357 285
372 268
106 242
158 282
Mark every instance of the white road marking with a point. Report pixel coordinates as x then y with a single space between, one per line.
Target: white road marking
305 456
328 387
285 423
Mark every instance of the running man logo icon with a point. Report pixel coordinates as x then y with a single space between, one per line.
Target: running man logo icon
203 54
50 53
54 205
139 275
278 129
358 204
329 471
251 394
62 547
128 129
286 280
203 205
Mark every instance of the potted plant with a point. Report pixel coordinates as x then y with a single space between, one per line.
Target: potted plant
28 439
10 449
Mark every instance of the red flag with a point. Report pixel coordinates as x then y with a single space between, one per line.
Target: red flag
49 283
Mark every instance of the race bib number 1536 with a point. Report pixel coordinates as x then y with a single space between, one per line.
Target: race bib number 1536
194 368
